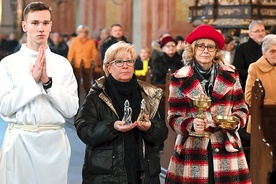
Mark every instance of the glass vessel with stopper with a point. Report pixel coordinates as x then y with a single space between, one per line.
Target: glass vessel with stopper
142 115
127 113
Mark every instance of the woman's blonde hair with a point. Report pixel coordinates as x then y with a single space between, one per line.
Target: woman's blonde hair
116 51
189 51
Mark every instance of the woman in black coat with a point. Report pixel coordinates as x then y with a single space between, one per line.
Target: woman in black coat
120 150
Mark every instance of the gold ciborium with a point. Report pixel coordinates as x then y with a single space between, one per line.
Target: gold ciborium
227 122
201 102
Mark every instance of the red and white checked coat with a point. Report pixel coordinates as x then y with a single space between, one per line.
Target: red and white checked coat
189 162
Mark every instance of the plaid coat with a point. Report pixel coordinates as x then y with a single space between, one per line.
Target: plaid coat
189 162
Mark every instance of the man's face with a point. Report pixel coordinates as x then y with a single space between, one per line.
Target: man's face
116 32
257 33
38 26
56 38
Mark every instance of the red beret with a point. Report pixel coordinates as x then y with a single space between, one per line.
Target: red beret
167 39
206 31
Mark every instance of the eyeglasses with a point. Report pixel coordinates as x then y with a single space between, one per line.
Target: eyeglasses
120 63
272 52
202 47
169 46
258 31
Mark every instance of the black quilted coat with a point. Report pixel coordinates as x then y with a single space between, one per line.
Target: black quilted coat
104 156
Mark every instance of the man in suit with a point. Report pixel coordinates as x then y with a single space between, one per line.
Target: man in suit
250 51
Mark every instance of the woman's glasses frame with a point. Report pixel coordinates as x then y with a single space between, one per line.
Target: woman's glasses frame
202 47
120 63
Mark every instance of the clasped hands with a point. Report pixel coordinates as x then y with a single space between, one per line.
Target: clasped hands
39 72
142 125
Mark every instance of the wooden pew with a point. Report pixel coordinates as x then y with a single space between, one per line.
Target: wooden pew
162 107
97 70
79 77
92 72
170 141
166 154
263 138
143 78
88 76
147 77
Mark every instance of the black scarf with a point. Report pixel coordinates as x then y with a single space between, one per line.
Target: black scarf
119 92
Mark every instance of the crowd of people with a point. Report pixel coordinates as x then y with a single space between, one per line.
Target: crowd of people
119 120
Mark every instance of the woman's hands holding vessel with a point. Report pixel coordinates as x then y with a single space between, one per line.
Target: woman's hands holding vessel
122 127
201 124
145 124
223 122
141 125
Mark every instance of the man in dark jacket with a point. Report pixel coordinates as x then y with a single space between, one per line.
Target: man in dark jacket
250 51
116 35
57 45
245 54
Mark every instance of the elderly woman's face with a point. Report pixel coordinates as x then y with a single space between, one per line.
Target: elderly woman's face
205 51
170 49
83 33
270 54
122 73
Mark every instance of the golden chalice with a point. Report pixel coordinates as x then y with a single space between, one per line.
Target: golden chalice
201 102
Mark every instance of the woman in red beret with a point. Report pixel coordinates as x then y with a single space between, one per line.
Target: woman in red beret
205 151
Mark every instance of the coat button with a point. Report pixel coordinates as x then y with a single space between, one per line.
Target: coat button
216 150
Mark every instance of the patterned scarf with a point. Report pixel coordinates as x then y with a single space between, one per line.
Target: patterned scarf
206 77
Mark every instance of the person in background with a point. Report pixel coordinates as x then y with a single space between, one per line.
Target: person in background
169 59
3 38
116 35
250 51
263 69
180 44
156 50
38 91
72 37
10 44
217 155
272 30
117 152
228 49
143 62
22 40
57 45
104 35
65 38
83 48
245 54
